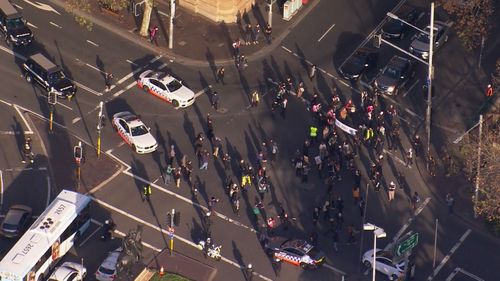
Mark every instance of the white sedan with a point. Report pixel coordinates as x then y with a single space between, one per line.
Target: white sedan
134 132
166 87
69 271
384 264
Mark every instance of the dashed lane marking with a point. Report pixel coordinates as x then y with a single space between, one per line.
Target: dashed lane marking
129 86
55 24
63 105
132 63
93 43
23 169
94 68
394 156
447 257
406 225
326 32
201 92
80 85
135 71
32 25
17 6
162 66
411 88
155 227
76 119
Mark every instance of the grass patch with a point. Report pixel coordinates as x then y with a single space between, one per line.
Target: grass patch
168 277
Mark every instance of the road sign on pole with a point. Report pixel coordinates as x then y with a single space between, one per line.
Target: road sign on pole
407 245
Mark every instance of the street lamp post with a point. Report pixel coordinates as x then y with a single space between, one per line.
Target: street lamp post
171 26
100 124
430 71
377 233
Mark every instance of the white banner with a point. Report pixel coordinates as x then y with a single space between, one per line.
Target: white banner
345 128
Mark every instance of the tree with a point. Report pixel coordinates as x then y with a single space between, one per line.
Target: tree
495 77
146 17
76 7
472 19
488 203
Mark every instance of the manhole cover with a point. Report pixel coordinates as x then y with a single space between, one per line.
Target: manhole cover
182 43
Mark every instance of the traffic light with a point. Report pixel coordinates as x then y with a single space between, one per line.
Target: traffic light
377 40
169 220
101 122
177 218
52 97
78 153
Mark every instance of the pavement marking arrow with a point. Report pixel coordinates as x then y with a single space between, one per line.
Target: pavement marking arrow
42 6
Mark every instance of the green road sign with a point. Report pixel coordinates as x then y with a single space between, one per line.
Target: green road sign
407 244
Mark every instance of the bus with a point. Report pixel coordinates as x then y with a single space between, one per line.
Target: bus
49 238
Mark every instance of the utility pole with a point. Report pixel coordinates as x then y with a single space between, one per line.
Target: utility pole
100 125
270 12
171 30
429 81
476 191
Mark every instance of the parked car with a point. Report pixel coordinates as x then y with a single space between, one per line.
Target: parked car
420 44
133 131
394 76
166 87
294 251
358 63
69 271
16 221
107 269
384 264
397 29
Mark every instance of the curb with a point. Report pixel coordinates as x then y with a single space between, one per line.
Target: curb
181 59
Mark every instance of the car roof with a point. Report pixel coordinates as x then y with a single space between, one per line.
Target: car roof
131 119
298 244
8 9
44 62
15 213
397 61
111 260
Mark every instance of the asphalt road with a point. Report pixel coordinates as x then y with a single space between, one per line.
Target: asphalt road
336 28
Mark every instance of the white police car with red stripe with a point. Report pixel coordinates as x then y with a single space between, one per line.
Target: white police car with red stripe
166 87
134 132
294 251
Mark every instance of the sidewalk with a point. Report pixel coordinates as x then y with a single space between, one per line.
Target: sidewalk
197 40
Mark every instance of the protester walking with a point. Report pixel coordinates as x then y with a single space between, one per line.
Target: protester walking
108 81
152 34
409 157
220 74
255 99
256 34
146 192
312 72
450 201
177 177
268 32
391 190
215 100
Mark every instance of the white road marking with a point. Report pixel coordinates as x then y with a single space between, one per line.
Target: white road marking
32 25
126 77
461 270
129 86
29 131
394 156
24 169
411 87
447 257
48 191
1 188
87 88
93 232
404 227
17 6
132 63
334 269
201 92
155 58
56 25
76 119
324 34
65 106
155 227
95 68
162 66
42 6
6 102
92 43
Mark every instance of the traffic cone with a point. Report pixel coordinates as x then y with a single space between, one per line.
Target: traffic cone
162 271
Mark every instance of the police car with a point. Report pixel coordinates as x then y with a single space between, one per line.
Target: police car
294 251
166 87
134 132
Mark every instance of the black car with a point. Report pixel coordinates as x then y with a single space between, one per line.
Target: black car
16 221
394 75
12 25
358 63
396 29
49 76
294 251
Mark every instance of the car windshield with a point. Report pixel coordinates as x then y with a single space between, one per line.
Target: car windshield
8 226
313 253
139 131
54 77
106 270
357 59
391 72
15 23
424 38
174 86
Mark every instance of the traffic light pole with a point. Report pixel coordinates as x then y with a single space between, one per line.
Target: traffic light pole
99 127
171 27
52 101
171 232
430 75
